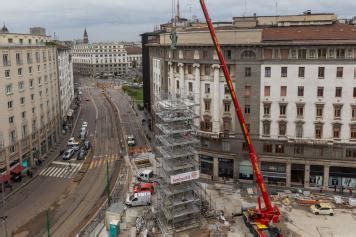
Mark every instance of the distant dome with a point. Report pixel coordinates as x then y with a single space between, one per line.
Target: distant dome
4 29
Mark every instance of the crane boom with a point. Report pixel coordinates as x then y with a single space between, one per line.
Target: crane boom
269 213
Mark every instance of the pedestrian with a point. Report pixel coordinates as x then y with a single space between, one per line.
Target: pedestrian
350 191
335 188
342 189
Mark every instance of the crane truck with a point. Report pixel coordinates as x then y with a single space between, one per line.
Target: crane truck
261 221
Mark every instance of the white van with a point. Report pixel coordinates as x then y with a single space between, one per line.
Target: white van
138 199
145 175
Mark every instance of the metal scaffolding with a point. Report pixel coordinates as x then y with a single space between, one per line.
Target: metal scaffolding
179 194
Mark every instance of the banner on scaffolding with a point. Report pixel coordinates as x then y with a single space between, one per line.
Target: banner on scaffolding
179 178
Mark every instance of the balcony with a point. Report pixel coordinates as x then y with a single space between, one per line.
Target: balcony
207 134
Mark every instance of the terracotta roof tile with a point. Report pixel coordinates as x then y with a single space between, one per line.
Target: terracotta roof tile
309 33
134 50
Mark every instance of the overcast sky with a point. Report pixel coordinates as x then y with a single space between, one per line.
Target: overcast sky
116 20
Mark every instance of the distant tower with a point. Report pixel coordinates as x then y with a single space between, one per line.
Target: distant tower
86 39
4 29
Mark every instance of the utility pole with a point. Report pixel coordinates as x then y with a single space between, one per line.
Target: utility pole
108 182
48 224
3 206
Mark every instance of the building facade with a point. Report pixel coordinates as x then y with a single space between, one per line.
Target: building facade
30 117
134 57
66 83
99 59
295 80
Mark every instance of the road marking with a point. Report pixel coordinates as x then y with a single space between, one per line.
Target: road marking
48 171
65 163
53 172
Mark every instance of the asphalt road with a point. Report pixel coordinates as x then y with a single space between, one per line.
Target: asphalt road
132 124
70 204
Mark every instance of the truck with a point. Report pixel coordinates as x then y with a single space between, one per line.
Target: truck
138 199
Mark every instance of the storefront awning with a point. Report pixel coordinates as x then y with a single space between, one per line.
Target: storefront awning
4 178
16 169
70 113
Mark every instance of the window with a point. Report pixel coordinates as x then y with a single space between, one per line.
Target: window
247 109
267 90
353 112
267 148
19 71
11 119
339 72
22 100
207 105
31 83
354 72
21 86
190 86
247 91
338 92
302 53
282 109
6 60
38 57
228 54
282 128
312 53
226 90
23 114
301 72
207 70
321 72
340 53
293 54
300 111
207 88
320 92
190 69
267 71
248 54
298 149
275 54
284 71
32 97
331 53
337 111
40 81
319 111
266 128
300 91
8 89
9 104
267 109
318 131
354 92
30 70
283 91
336 130
353 132
322 53
18 59
7 73
226 107
29 58
279 148
247 71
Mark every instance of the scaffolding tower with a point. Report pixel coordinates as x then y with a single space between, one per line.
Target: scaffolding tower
179 193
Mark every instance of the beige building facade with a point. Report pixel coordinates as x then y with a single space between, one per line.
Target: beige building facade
30 107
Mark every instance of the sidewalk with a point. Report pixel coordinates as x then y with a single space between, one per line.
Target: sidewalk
47 159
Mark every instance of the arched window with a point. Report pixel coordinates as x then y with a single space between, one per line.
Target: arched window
248 54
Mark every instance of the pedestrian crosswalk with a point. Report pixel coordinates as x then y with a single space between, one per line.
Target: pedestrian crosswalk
61 170
101 161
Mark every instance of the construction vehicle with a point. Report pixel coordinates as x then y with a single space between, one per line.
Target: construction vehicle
263 220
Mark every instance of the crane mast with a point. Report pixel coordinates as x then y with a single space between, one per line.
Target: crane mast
270 213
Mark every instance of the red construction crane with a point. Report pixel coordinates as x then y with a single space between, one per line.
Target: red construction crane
262 219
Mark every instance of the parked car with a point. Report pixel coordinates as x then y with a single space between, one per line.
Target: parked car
131 140
72 142
81 154
138 199
68 154
144 187
145 175
322 209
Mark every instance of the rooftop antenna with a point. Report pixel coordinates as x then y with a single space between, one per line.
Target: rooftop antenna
276 6
245 8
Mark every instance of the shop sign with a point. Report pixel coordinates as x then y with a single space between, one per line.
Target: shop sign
179 178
